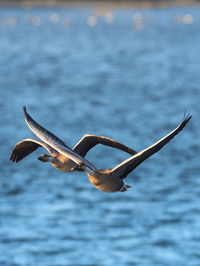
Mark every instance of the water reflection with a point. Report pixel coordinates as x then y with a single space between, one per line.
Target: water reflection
140 20
92 21
109 17
185 19
54 17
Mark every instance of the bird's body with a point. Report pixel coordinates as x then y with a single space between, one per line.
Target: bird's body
101 179
67 160
62 163
104 180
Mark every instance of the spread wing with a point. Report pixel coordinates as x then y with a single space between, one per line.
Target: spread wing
87 142
127 166
26 147
54 141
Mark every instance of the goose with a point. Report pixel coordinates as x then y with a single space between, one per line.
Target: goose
64 162
67 160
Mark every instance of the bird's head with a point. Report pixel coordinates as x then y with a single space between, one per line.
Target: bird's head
44 158
79 167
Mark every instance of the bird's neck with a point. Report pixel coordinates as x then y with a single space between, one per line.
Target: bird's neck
52 159
89 171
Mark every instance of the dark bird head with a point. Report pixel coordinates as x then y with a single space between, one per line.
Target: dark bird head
79 167
44 158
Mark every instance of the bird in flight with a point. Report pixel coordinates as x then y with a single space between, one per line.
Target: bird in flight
66 159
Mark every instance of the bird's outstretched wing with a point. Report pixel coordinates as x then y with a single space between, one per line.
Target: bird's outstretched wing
127 166
27 146
87 142
54 141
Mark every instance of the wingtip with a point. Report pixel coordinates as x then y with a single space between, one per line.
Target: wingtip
186 119
187 116
12 158
26 115
24 108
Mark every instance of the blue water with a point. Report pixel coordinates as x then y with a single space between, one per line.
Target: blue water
130 80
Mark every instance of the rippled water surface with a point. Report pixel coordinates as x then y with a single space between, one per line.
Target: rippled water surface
130 79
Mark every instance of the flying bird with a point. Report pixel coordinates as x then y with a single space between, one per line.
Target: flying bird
61 156
66 159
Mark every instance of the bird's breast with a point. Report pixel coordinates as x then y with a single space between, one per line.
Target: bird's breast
64 164
105 182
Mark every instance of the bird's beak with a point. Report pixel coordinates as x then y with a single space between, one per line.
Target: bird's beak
40 158
44 158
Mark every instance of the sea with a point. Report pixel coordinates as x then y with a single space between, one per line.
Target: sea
129 74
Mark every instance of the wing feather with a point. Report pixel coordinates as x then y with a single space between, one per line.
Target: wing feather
54 141
127 166
87 142
26 147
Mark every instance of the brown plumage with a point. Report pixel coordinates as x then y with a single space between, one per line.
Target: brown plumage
65 159
27 146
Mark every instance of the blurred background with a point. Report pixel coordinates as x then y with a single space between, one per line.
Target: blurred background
118 70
